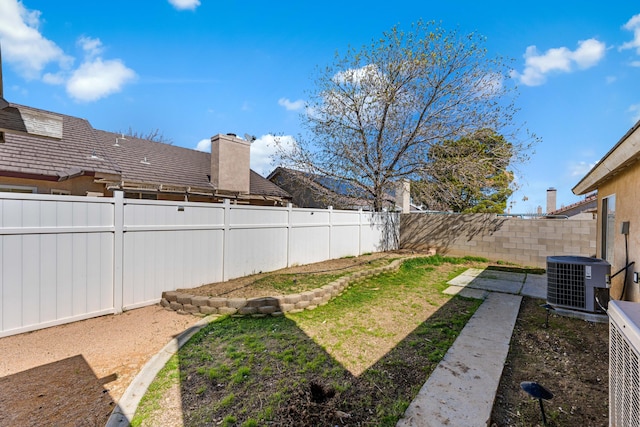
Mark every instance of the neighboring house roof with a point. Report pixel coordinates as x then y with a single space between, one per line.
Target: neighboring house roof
317 191
72 147
27 155
589 204
623 154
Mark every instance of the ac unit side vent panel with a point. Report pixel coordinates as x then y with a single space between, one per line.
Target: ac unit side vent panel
565 284
624 364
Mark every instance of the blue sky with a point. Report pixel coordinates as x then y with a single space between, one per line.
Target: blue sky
195 68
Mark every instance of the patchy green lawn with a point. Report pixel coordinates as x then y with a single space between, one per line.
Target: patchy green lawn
359 360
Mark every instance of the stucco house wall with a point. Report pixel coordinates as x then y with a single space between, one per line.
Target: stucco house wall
626 188
618 174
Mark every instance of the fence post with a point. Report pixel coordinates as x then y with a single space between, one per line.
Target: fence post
330 209
118 250
360 231
289 233
225 237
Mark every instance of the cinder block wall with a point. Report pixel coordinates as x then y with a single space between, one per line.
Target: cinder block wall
522 241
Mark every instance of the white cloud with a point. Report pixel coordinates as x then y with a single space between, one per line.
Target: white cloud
579 169
91 47
635 112
264 149
562 59
53 78
588 53
291 105
97 79
185 4
357 76
204 145
22 44
633 25
30 52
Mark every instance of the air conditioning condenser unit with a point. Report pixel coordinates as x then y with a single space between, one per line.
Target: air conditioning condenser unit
574 282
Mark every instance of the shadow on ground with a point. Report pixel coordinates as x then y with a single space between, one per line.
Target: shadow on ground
48 395
248 371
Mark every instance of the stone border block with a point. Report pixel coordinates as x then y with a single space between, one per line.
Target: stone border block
184 303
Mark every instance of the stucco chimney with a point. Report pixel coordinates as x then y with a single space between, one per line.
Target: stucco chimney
403 197
551 200
230 163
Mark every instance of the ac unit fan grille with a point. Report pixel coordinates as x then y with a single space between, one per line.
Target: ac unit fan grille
565 284
624 380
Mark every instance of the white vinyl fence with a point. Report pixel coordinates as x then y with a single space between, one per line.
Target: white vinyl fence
65 258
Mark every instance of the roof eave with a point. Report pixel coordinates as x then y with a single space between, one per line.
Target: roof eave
622 155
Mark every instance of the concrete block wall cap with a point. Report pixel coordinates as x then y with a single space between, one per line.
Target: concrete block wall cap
200 301
217 302
262 301
267 309
170 295
292 299
184 298
236 302
303 304
307 296
190 308
205 309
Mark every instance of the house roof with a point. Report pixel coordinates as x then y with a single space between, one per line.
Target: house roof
589 204
75 152
622 155
69 146
327 190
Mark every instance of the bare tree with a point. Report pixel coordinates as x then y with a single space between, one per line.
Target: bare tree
154 135
376 111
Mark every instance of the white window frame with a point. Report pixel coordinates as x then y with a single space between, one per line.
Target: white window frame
608 226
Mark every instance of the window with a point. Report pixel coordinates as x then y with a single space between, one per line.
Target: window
17 189
146 196
608 227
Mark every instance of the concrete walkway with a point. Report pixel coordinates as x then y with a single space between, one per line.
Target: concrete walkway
462 388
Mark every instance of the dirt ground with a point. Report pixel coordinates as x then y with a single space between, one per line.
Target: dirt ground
570 358
73 374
